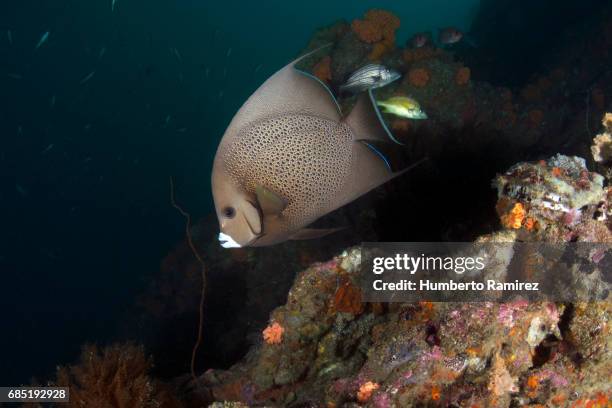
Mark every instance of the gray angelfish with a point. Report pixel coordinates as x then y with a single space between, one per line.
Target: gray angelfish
288 157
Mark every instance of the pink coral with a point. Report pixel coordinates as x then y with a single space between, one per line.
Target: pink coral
508 312
273 334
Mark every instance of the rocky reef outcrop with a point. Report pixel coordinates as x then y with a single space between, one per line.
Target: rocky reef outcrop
330 349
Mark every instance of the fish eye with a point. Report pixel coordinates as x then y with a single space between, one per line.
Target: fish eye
229 212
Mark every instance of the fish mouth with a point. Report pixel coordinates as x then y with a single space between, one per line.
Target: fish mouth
228 242
416 115
395 76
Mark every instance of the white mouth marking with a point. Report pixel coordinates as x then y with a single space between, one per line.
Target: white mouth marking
227 241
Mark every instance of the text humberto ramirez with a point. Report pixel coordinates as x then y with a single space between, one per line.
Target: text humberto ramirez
459 265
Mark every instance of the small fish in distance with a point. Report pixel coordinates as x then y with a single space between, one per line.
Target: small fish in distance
43 39
449 36
420 40
87 77
48 149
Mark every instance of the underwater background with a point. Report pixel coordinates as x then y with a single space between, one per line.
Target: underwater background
122 96
85 191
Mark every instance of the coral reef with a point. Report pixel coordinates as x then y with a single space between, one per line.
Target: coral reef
556 200
454 96
418 77
449 354
602 146
116 376
323 69
273 334
378 29
377 25
338 351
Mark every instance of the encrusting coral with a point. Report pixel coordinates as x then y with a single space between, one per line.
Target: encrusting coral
602 146
558 199
273 334
377 25
463 76
323 69
365 391
377 28
418 77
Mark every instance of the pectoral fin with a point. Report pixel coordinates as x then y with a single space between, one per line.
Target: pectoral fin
269 202
312 233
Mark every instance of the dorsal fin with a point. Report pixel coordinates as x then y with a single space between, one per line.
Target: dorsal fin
324 85
287 91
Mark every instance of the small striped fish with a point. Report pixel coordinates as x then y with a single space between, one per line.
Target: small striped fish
369 77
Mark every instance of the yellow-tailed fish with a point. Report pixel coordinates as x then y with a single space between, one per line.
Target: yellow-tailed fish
402 106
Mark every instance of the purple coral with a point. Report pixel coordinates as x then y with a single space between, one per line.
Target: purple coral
508 312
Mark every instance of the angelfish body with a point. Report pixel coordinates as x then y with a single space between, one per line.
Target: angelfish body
288 157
